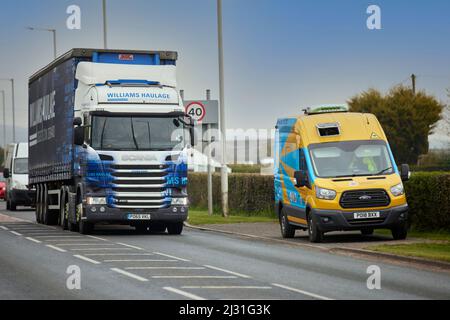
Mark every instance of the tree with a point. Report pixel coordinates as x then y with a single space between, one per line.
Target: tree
407 118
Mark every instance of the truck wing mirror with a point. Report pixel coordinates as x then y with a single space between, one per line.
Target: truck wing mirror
78 136
77 122
404 172
300 179
6 173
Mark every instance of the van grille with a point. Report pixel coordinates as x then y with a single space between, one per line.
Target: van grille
364 199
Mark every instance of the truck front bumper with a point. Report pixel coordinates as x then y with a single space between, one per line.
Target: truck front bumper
336 220
121 216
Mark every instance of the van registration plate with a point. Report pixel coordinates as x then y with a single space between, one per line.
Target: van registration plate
366 215
139 216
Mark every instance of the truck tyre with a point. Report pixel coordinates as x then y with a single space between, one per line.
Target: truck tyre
157 227
63 211
400 232
315 235
38 204
367 231
287 230
175 228
46 218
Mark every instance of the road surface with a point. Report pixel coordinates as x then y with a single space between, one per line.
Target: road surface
118 263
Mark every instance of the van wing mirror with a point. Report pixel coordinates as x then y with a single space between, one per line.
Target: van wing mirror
78 136
301 179
77 122
404 172
6 173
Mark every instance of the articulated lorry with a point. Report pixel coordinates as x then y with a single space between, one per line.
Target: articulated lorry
109 141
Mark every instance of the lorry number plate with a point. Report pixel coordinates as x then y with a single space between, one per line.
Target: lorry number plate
138 216
366 215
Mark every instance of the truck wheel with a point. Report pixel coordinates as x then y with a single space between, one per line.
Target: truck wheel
73 227
86 227
400 232
315 235
46 219
63 212
367 231
175 228
287 230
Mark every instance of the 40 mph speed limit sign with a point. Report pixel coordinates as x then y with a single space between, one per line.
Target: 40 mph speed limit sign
196 110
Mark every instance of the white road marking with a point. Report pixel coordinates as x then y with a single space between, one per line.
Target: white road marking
93 249
194 277
228 271
118 254
4 228
61 237
16 233
139 260
164 268
32 239
173 257
98 238
129 274
313 295
129 246
227 287
84 244
184 293
86 259
55 248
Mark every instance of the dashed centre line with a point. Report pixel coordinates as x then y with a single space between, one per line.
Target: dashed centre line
4 228
184 293
169 256
16 233
227 287
139 260
313 295
194 277
129 246
32 239
164 268
228 271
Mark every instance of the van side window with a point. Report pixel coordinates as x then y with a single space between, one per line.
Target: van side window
302 165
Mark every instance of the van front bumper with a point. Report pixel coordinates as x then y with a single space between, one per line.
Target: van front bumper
337 220
121 216
22 197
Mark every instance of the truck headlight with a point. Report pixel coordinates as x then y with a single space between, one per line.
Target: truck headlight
326 194
179 201
398 190
95 201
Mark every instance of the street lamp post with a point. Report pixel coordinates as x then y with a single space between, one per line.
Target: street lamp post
13 107
4 118
105 26
223 171
53 31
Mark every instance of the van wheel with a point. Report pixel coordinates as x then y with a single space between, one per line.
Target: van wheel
12 206
400 232
287 230
157 227
175 228
7 204
315 235
367 231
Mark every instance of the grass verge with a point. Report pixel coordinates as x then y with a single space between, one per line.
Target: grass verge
438 235
199 217
432 251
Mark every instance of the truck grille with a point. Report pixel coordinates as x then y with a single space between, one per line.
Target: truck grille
139 186
364 199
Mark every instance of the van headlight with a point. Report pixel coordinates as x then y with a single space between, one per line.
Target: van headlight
95 201
398 190
179 201
326 194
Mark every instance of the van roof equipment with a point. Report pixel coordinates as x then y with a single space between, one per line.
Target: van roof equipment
329 108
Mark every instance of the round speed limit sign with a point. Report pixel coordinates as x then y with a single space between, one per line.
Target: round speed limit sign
196 110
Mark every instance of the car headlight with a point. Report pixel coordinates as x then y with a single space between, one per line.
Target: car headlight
95 201
326 194
179 201
398 190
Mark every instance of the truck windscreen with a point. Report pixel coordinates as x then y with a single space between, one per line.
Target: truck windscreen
136 133
351 158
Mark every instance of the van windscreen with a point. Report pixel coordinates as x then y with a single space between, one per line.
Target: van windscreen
351 158
21 166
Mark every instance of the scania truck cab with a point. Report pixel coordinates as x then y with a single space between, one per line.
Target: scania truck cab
334 171
109 141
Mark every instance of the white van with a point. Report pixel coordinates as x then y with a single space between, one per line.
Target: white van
16 175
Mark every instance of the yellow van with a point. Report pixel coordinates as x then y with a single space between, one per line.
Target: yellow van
334 171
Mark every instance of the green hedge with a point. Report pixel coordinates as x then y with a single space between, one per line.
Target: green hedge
428 196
